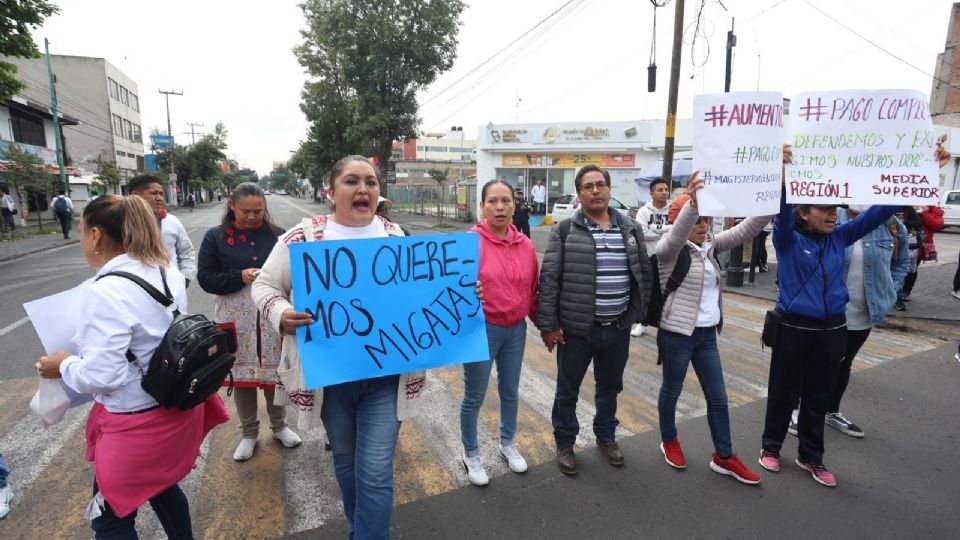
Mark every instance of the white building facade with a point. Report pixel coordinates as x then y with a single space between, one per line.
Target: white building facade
522 154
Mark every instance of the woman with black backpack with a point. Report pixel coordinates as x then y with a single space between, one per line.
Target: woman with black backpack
140 450
689 324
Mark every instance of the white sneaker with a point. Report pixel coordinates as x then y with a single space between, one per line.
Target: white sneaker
637 330
6 497
287 437
475 473
244 450
514 459
955 294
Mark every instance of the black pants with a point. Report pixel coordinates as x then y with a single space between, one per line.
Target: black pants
7 219
65 219
956 277
523 225
804 365
171 507
855 340
762 247
608 348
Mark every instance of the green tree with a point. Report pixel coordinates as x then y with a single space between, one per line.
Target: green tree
374 56
27 173
17 18
109 176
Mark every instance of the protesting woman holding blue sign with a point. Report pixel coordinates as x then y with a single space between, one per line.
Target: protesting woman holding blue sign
362 418
509 272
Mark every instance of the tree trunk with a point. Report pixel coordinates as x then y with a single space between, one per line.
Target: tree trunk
384 152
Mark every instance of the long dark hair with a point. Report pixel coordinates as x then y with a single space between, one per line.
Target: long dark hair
248 189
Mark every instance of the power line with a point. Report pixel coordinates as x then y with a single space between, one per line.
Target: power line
871 42
490 59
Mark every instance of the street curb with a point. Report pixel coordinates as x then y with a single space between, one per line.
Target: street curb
38 250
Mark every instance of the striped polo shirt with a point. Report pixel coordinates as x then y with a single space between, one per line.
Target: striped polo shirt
613 276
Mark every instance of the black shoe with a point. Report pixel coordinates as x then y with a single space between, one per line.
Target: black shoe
763 268
611 451
567 461
900 306
905 297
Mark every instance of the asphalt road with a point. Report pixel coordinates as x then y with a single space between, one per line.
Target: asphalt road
289 491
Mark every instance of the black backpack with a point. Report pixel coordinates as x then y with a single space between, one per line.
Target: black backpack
193 359
658 296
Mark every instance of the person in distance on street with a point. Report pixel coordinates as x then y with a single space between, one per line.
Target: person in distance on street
361 418
63 209
652 218
182 256
521 213
691 320
594 285
140 450
231 255
812 332
508 270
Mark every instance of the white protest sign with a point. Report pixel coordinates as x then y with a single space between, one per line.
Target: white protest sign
57 317
869 147
738 149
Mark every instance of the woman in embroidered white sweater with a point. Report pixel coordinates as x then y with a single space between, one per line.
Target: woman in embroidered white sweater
362 418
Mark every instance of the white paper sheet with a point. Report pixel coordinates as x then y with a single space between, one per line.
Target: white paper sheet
56 318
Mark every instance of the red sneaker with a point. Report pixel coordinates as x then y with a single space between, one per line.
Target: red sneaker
673 454
734 467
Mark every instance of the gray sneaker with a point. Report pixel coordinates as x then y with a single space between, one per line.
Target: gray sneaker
837 421
792 428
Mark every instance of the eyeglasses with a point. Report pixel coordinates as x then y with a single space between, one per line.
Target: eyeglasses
599 186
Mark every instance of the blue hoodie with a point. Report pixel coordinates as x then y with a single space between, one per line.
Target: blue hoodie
810 267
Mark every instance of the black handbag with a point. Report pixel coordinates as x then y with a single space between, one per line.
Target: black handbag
771 328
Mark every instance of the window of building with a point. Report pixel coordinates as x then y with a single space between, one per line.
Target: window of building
127 129
419 148
117 126
124 96
114 88
137 136
27 129
140 164
436 149
134 102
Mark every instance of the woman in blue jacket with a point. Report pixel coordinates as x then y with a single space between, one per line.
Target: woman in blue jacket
812 337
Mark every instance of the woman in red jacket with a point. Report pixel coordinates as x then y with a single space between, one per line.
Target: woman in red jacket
509 274
931 221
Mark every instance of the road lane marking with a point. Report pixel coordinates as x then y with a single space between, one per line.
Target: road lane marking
10 328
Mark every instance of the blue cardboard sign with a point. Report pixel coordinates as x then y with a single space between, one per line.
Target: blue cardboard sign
384 306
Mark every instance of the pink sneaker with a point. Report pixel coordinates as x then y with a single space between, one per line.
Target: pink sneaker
819 473
769 461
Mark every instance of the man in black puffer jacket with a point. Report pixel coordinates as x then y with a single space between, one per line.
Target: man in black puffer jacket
594 285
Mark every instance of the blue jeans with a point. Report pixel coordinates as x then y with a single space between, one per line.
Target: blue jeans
608 348
361 422
4 472
171 507
677 351
506 349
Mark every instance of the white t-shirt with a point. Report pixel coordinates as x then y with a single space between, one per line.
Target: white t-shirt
858 314
709 312
335 231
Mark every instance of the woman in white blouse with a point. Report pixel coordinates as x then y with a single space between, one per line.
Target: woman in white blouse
128 433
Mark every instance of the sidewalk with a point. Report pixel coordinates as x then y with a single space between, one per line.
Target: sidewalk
52 238
897 482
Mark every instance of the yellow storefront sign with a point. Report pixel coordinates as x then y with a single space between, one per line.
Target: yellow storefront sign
569 160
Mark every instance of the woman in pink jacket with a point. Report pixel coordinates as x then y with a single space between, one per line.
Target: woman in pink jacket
508 272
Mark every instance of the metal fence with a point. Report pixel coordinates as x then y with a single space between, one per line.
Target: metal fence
449 201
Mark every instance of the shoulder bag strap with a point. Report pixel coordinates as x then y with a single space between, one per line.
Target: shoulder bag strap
679 271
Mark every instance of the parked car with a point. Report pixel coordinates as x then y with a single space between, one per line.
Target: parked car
568 203
950 201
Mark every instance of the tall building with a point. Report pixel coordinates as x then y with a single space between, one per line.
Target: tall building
104 101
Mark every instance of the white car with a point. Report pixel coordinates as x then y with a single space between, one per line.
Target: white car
951 208
568 203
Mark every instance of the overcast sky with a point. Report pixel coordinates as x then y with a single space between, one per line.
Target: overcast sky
233 59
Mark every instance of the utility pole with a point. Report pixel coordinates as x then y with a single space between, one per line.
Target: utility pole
735 260
167 94
671 127
57 134
193 134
